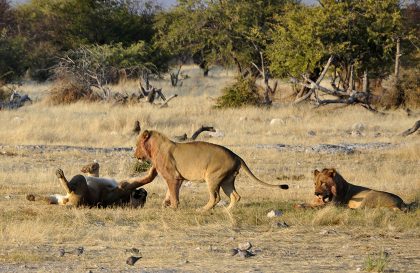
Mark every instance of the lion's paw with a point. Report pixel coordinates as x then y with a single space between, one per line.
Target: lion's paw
59 173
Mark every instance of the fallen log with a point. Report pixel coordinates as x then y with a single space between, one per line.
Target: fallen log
412 130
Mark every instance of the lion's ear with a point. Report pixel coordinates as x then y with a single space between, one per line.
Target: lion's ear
316 172
331 172
145 135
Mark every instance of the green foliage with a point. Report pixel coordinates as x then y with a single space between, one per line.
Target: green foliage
360 33
12 61
218 32
56 26
376 263
243 92
140 167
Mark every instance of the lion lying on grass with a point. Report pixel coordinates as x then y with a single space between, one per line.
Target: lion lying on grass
95 191
176 162
331 187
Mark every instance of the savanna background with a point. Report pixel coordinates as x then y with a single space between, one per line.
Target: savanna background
89 68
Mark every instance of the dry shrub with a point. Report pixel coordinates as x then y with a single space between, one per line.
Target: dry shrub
410 85
4 93
65 91
404 93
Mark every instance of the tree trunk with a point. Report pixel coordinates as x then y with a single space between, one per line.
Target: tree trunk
397 61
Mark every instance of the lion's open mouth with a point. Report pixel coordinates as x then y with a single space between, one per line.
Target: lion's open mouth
325 197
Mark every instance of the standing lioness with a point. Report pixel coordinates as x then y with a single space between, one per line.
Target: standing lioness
176 162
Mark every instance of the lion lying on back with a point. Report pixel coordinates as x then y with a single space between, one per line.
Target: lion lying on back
331 187
92 190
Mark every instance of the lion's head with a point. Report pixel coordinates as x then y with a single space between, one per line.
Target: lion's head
325 184
143 148
138 198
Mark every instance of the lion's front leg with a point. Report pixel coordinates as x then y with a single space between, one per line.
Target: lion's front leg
167 201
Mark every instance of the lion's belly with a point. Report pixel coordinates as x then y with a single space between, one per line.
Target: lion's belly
357 199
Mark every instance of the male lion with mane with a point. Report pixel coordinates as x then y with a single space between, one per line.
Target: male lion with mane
331 187
176 162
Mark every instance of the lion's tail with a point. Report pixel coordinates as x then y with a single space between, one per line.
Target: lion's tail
250 174
410 207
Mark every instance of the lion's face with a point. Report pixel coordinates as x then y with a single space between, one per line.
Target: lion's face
325 186
142 152
138 198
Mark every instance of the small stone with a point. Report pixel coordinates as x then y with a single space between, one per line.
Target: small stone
61 252
245 254
274 213
311 133
80 250
280 224
132 260
133 250
222 203
276 121
218 134
234 251
245 246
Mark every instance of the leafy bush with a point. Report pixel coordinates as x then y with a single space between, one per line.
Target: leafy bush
243 92
140 167
12 57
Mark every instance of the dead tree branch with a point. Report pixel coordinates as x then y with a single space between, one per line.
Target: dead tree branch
203 128
412 130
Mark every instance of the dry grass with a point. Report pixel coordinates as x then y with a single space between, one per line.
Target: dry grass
32 233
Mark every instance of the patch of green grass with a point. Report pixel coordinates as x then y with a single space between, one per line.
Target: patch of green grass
376 263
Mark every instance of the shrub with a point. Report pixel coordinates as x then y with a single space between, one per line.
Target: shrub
243 92
67 91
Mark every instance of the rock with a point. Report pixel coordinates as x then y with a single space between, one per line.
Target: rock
358 127
281 224
222 203
234 251
132 260
327 232
61 252
7 197
243 118
245 246
80 250
133 250
276 121
245 254
274 213
311 133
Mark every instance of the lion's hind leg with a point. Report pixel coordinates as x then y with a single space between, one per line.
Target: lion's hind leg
228 186
214 196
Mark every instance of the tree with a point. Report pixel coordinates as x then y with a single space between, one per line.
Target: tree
224 32
360 34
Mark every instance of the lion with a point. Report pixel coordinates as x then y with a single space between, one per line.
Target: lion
94 191
176 162
331 187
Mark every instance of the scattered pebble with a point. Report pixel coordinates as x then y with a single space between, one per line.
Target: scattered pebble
61 252
7 197
80 250
274 213
311 133
222 203
281 224
132 260
133 250
245 246
277 121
